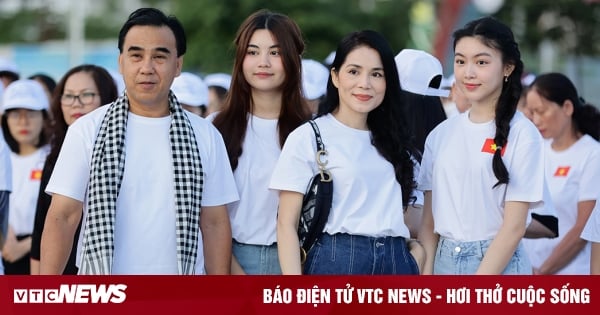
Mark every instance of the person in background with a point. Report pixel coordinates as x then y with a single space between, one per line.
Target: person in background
314 82
5 188
481 169
166 167
371 159
47 82
420 76
591 233
81 90
9 72
265 104
191 93
218 86
23 126
456 103
572 165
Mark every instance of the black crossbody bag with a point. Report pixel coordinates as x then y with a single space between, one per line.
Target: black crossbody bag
316 203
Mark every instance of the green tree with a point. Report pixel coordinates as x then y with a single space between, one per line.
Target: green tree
573 25
211 26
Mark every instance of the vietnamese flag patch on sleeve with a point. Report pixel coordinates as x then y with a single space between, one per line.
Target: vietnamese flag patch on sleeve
489 146
35 175
562 171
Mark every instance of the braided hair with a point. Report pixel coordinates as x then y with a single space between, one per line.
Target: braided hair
497 35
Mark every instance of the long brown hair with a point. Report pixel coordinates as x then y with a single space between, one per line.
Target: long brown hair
233 120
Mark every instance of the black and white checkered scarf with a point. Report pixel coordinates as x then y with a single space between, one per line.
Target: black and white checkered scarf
106 174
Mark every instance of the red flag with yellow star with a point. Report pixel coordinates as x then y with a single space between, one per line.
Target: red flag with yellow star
489 146
562 171
35 175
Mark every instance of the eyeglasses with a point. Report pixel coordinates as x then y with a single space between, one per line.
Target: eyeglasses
27 113
85 98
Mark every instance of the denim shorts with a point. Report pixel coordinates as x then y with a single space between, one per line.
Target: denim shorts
360 255
257 259
463 258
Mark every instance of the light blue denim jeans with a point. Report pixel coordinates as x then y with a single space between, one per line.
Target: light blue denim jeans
463 258
360 255
257 259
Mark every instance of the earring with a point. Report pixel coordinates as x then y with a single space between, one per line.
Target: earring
505 78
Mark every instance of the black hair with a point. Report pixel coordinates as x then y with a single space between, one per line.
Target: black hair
557 88
154 17
12 76
390 133
47 80
12 142
497 35
424 113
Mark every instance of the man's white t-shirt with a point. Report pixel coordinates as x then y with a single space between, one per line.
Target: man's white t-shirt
145 241
573 176
367 199
457 168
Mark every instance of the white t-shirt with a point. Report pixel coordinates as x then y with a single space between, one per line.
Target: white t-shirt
5 166
573 176
591 232
457 168
254 216
26 179
145 241
367 199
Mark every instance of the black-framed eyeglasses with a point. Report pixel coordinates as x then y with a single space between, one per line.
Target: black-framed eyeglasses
85 98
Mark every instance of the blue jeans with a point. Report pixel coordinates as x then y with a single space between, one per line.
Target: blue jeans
463 258
257 259
360 255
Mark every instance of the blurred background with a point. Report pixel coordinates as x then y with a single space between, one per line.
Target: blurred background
50 36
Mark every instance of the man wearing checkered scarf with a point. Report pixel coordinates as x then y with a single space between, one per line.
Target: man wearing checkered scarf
152 179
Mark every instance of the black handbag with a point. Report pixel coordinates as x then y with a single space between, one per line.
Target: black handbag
316 203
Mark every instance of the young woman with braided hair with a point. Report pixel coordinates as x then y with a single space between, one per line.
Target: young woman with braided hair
482 170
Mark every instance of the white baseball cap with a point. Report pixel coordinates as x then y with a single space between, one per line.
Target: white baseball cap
416 69
330 58
8 65
314 79
25 93
218 79
190 89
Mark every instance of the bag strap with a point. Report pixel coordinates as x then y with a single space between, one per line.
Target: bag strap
321 153
320 145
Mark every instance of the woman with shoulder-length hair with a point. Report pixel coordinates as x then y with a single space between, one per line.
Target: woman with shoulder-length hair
264 104
81 90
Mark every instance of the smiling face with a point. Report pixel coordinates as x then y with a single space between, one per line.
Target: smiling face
360 81
479 71
263 66
149 63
